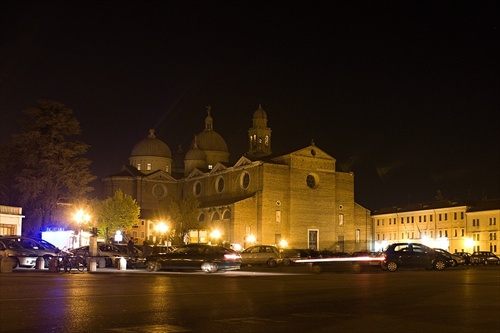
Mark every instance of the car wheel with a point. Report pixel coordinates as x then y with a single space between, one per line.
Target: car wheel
287 262
209 267
46 261
316 268
454 263
151 266
271 263
439 265
392 266
15 262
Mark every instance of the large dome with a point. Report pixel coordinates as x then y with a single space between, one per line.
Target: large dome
151 146
210 140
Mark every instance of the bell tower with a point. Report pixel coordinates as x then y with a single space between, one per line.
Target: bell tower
259 135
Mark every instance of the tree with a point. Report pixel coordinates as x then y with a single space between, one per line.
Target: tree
49 167
119 212
184 216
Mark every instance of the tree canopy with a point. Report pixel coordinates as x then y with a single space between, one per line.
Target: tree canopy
44 165
119 212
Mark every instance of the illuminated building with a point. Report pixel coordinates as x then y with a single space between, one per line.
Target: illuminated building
452 225
298 197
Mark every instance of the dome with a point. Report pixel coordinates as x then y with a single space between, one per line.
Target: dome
151 146
260 113
211 140
195 153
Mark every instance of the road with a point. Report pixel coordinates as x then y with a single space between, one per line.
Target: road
254 299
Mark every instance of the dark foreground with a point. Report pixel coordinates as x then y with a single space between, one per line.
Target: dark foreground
285 299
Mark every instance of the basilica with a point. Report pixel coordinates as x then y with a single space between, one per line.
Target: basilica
297 198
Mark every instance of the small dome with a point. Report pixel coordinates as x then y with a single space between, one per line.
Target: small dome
151 146
195 153
260 113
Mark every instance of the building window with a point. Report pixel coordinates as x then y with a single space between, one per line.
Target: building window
439 219
159 191
219 184
197 189
210 167
357 236
201 217
341 219
430 218
245 180
312 180
139 166
226 215
278 216
446 216
148 166
454 216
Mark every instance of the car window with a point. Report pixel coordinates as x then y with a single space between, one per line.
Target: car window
255 249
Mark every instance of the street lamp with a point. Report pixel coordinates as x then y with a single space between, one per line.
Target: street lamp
80 217
162 228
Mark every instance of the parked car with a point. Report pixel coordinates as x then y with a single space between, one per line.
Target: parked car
332 254
110 252
454 259
36 246
288 256
205 257
484 257
261 255
20 256
465 255
413 255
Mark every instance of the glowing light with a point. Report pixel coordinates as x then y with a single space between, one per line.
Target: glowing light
215 234
251 239
469 243
283 243
161 227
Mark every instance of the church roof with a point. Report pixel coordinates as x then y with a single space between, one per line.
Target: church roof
151 146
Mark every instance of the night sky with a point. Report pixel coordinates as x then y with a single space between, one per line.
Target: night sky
405 94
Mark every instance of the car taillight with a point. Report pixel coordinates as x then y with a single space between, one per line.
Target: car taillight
232 256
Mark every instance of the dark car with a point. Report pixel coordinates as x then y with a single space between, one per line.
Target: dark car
484 257
332 254
288 256
205 257
454 259
465 255
413 255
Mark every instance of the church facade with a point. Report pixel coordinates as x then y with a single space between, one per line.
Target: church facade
298 198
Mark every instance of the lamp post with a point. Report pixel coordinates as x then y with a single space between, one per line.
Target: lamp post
80 217
162 228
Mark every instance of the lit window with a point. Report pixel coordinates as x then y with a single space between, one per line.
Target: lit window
148 166
138 166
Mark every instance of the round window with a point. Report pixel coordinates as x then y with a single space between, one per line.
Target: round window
245 180
312 180
220 185
159 191
197 188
